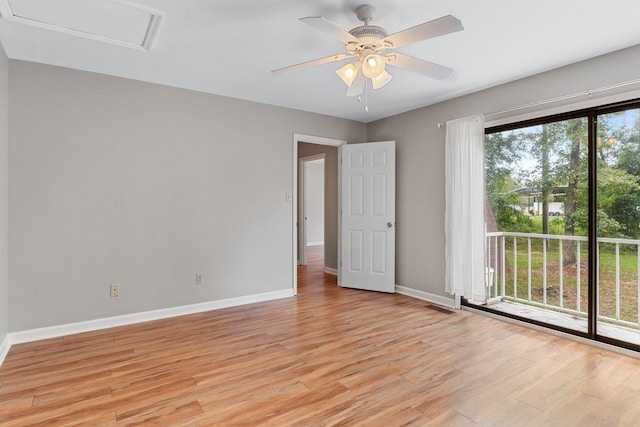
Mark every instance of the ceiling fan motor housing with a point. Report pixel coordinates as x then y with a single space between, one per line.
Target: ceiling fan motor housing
370 36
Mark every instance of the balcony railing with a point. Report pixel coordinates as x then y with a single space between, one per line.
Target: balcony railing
532 269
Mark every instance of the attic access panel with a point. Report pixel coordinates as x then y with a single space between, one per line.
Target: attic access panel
117 22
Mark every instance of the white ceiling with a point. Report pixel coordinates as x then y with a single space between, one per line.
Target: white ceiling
228 47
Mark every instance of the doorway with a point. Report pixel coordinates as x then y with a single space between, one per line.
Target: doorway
307 146
311 205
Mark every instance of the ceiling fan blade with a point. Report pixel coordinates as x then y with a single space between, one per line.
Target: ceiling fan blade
328 27
357 86
438 27
420 66
308 64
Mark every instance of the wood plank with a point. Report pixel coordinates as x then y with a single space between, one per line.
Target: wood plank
329 356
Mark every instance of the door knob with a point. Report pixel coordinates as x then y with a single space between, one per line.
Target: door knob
389 224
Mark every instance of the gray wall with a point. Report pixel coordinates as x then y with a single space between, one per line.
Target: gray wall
4 195
119 181
330 196
420 155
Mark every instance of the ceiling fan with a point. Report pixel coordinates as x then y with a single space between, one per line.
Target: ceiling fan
372 48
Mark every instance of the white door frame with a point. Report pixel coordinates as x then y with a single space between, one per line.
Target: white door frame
298 137
302 208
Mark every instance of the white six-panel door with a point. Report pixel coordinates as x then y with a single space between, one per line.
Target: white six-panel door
368 230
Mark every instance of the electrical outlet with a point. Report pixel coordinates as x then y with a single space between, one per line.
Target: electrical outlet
114 290
198 279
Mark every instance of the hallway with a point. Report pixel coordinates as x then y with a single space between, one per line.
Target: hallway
312 275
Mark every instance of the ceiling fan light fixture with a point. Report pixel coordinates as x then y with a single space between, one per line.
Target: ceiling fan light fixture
373 65
381 80
367 47
348 73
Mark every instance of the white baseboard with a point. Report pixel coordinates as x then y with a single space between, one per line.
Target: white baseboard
315 243
128 319
426 296
5 346
331 271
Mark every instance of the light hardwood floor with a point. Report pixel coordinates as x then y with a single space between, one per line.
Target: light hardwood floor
329 356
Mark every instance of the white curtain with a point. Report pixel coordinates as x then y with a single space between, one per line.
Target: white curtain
464 213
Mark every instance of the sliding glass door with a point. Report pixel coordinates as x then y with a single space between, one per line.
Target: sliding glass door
536 242
618 202
563 222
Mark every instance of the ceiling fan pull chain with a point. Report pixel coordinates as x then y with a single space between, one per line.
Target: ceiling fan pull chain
366 97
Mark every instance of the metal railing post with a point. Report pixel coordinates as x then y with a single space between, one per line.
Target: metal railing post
561 262
578 268
529 269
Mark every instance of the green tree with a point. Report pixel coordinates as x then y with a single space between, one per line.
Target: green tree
544 142
501 152
508 218
571 170
618 194
615 187
618 145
